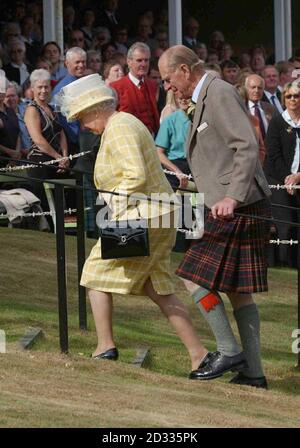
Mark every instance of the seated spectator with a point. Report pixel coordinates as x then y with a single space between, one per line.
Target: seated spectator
136 92
11 32
13 101
216 41
161 93
68 20
120 38
121 59
48 140
230 71
101 37
272 94
213 56
16 70
170 107
144 32
76 39
108 51
108 15
285 71
283 144
51 51
226 52
76 66
10 143
258 59
112 72
33 47
191 30
201 51
88 22
214 69
170 143
94 61
255 123
244 60
162 40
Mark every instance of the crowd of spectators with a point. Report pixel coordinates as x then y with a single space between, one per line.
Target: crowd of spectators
96 40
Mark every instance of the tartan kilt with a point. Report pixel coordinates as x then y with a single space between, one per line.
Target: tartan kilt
231 255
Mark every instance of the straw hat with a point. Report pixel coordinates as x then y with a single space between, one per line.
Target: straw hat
81 94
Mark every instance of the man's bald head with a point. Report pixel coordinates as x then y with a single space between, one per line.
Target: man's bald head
181 70
254 85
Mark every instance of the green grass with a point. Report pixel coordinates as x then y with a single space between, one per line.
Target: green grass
28 298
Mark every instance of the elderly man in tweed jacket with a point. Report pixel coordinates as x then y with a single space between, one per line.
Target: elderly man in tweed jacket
222 151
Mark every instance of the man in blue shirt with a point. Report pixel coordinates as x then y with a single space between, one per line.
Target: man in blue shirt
76 65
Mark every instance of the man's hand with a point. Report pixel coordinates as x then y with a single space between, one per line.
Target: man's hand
224 208
292 179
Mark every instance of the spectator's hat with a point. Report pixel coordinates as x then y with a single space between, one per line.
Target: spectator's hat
80 95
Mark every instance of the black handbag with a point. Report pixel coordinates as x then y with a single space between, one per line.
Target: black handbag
124 239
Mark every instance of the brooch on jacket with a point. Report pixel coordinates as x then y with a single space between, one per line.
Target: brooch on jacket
191 110
289 129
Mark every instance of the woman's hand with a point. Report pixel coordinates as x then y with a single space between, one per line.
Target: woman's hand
290 180
63 165
183 181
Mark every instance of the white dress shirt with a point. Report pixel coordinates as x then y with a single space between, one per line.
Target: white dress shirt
135 80
276 103
198 88
251 106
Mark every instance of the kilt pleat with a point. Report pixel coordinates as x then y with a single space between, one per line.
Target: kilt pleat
231 255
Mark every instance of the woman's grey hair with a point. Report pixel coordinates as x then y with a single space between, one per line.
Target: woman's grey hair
103 107
75 51
138 46
39 75
91 53
16 86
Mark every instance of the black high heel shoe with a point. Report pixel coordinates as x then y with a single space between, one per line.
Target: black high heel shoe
111 354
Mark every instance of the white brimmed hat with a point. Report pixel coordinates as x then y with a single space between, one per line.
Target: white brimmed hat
81 94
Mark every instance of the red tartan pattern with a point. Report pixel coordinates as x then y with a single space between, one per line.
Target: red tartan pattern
231 255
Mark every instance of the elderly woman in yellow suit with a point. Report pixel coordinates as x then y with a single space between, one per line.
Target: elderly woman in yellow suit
127 162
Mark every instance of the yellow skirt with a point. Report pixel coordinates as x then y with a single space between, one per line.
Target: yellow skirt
128 276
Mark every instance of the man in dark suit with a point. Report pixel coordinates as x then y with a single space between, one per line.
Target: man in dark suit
108 16
272 93
263 110
222 152
190 38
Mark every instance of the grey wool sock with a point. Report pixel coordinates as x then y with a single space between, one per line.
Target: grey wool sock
248 323
212 309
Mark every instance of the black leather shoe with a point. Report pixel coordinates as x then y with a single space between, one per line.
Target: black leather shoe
218 364
111 354
243 380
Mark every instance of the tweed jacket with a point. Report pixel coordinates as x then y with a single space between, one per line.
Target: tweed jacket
222 148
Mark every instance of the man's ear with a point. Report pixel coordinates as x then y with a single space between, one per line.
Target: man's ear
185 70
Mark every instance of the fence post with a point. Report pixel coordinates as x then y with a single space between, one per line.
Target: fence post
61 268
80 250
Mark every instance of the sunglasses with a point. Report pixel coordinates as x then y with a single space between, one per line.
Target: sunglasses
296 96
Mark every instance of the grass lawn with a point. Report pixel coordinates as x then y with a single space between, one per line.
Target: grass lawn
41 387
